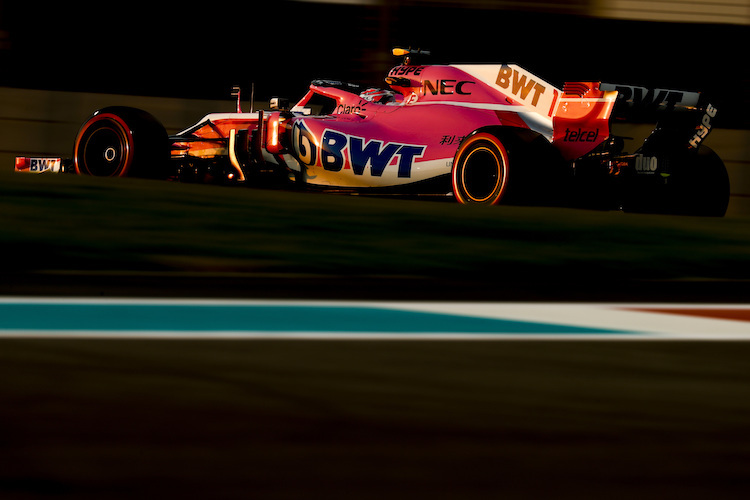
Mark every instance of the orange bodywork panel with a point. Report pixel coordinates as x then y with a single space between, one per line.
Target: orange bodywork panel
581 119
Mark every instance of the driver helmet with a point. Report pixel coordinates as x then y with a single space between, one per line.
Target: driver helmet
377 95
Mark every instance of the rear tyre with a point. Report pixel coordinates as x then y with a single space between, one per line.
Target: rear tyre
695 183
121 142
705 191
481 170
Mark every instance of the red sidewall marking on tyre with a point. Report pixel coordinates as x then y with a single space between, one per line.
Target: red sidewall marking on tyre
123 128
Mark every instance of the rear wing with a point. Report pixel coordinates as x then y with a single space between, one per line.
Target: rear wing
648 104
684 119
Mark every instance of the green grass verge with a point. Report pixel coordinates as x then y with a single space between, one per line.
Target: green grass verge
62 223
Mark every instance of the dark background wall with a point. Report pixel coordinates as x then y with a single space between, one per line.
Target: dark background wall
199 49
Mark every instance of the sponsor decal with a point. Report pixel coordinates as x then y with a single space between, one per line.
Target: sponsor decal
337 151
406 70
581 135
519 84
704 128
38 165
345 109
641 97
451 139
447 87
646 164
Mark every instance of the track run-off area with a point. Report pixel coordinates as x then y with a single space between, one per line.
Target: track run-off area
289 319
195 398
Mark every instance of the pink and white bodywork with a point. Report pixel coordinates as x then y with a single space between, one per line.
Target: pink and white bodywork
380 139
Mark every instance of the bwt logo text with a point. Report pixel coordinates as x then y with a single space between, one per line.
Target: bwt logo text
337 151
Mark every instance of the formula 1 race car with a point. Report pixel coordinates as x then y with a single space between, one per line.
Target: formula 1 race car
483 134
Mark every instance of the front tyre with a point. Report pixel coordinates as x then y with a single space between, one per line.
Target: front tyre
480 170
121 142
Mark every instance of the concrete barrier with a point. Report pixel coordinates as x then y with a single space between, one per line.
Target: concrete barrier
41 122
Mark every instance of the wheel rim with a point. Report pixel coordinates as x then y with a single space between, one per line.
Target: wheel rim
104 149
481 174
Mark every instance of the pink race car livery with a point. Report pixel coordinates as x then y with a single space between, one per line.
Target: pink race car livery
480 133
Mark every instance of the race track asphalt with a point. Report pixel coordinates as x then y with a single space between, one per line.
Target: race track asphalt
116 419
106 418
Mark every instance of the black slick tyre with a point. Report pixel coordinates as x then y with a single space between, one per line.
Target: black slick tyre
480 170
121 142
